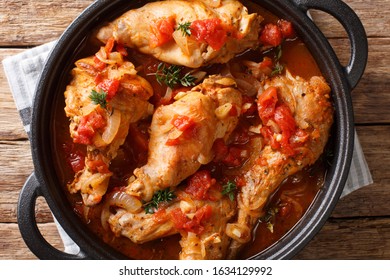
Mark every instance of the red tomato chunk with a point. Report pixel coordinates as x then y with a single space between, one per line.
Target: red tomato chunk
182 123
199 184
88 126
110 86
209 31
196 224
162 31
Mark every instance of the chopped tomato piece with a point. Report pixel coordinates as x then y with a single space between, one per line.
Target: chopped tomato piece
286 28
266 63
109 46
269 137
121 49
209 31
266 103
110 86
74 157
271 35
235 156
270 109
173 142
160 216
248 105
98 165
99 65
220 149
196 224
179 218
199 184
162 31
88 126
232 155
285 120
182 123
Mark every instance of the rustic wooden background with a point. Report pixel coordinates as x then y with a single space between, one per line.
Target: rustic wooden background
359 227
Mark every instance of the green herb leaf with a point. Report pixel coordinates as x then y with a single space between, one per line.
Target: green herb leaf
185 28
278 67
269 218
158 197
188 80
99 98
171 76
230 190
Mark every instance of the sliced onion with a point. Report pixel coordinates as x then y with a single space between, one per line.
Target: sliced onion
246 87
182 41
97 182
223 111
125 68
274 126
199 75
114 57
204 159
226 81
119 200
214 3
180 95
238 232
97 141
86 110
112 127
174 134
168 94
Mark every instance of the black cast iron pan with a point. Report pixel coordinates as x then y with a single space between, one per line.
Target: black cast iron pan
44 182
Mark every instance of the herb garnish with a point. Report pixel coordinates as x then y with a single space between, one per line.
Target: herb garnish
278 67
158 197
171 76
229 189
185 28
99 98
269 218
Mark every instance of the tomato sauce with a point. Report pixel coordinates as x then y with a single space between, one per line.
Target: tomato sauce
284 209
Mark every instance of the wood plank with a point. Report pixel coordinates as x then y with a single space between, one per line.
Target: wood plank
52 17
375 18
12 246
371 200
16 166
374 86
10 123
49 17
365 239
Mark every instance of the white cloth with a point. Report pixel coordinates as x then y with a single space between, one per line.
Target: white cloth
23 70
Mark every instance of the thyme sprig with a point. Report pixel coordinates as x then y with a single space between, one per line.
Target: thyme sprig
158 197
278 67
99 98
230 190
172 76
185 28
269 218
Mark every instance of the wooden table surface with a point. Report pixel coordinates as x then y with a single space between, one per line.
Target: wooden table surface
359 227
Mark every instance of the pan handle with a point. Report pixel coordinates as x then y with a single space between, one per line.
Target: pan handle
28 225
354 28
